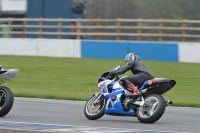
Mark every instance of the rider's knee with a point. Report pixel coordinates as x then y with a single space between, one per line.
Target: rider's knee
124 83
121 82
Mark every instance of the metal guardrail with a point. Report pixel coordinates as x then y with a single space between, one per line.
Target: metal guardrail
136 29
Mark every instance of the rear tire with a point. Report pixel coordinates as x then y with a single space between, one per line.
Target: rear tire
6 100
154 110
93 112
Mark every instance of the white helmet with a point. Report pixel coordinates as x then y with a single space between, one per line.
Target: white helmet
132 57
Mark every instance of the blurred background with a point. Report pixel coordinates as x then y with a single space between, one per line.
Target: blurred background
141 20
97 35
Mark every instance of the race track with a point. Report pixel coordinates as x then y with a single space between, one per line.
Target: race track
63 112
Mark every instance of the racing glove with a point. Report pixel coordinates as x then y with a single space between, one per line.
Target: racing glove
113 73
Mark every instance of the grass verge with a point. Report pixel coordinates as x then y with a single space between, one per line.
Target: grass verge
76 78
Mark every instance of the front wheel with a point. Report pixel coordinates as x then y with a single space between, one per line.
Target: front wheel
93 110
152 110
6 100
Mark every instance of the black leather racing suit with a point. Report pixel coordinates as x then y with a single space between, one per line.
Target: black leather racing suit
140 71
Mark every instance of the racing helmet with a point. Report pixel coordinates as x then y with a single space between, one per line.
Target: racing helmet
132 57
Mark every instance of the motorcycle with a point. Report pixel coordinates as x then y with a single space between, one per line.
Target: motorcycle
6 95
112 100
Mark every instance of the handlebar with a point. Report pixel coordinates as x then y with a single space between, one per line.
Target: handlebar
114 78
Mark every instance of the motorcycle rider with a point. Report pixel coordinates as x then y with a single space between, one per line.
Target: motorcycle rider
140 71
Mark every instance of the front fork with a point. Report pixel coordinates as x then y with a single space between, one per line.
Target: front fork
98 96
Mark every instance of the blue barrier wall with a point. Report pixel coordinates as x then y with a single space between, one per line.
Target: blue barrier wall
117 50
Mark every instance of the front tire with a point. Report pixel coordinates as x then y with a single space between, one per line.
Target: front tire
153 110
6 100
94 111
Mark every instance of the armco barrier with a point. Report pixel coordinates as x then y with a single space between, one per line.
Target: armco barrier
160 51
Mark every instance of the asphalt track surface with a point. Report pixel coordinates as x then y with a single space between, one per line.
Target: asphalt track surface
69 114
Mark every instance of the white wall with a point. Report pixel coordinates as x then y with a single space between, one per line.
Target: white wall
189 52
13 5
40 47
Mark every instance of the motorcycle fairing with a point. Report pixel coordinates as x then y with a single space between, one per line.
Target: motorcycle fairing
114 89
114 93
115 107
7 75
157 86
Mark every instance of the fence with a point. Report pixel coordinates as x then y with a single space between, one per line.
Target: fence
101 29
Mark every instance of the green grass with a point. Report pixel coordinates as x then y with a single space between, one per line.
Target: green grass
75 78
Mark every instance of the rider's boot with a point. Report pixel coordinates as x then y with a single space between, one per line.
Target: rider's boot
131 98
136 94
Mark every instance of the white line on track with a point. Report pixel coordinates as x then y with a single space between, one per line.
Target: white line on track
72 128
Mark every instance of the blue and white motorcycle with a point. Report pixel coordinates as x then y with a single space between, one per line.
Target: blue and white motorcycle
6 95
148 108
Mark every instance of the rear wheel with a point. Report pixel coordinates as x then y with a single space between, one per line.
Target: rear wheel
93 110
6 100
152 110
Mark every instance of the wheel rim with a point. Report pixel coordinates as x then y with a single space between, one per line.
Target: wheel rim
2 99
92 109
152 104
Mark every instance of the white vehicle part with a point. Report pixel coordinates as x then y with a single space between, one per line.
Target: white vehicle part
9 74
140 102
